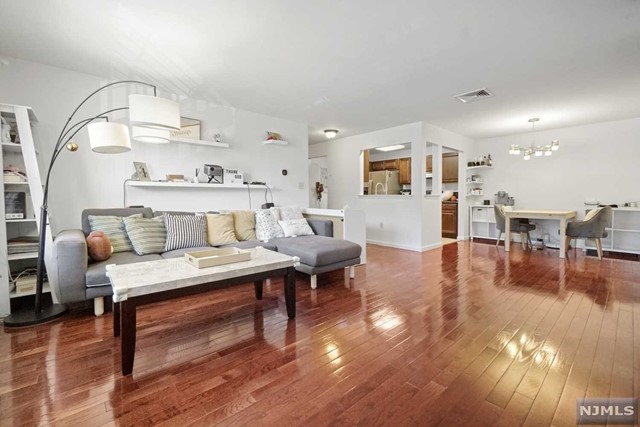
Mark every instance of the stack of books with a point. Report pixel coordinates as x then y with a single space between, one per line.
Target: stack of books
22 244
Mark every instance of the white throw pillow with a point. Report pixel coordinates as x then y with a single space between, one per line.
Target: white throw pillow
289 212
267 226
296 227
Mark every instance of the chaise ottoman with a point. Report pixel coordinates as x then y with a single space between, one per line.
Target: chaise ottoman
320 254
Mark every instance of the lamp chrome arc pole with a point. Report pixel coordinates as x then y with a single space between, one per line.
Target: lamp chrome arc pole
42 314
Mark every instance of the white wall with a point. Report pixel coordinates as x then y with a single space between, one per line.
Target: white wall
84 179
409 222
391 220
594 161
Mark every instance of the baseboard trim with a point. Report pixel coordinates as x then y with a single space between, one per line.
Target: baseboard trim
395 245
431 247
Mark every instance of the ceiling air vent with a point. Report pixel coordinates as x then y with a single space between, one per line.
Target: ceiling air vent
474 95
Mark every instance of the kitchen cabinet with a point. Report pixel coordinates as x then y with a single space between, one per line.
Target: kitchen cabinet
405 170
365 159
390 164
384 165
450 167
450 220
429 163
375 166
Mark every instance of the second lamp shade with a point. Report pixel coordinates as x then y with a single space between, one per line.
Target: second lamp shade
154 112
109 137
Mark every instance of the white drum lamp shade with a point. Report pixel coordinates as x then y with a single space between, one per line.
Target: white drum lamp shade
109 137
150 136
154 112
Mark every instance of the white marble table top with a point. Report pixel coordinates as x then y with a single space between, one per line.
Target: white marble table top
143 278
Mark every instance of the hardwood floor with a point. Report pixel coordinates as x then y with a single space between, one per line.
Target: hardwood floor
463 335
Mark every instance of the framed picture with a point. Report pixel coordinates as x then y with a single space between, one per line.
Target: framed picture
142 171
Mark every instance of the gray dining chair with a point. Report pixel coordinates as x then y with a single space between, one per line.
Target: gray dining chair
518 225
592 227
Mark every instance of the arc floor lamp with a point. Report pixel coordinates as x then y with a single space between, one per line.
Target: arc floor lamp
151 118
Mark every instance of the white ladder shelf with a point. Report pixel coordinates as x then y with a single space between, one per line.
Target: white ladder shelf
23 154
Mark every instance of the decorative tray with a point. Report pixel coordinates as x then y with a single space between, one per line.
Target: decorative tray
216 256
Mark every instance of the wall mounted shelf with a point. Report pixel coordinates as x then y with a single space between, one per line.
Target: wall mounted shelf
275 142
200 142
470 168
474 182
191 185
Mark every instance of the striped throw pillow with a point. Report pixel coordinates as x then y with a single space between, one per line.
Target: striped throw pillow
185 231
147 235
113 227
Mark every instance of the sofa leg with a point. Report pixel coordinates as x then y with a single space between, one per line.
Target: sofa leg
314 281
352 272
98 306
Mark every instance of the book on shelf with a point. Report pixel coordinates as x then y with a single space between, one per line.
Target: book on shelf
22 244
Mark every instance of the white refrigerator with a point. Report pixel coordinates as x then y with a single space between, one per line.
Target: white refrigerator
384 182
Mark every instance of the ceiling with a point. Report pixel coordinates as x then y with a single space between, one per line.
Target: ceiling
355 65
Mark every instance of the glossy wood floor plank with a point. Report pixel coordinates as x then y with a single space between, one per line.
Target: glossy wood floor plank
463 335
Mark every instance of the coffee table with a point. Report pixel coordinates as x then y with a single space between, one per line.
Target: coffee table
153 281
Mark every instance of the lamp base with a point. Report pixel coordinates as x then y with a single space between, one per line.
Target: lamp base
30 317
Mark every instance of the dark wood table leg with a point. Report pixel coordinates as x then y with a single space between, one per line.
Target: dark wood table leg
128 340
258 286
290 292
116 319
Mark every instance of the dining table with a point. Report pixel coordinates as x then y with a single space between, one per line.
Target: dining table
563 216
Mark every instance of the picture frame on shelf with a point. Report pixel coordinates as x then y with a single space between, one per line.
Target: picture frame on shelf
142 171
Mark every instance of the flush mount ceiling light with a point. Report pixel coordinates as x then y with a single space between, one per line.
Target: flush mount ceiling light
535 149
390 148
330 133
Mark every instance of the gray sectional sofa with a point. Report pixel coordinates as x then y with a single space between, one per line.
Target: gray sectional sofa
74 278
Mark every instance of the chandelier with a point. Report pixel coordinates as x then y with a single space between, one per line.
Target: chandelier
534 149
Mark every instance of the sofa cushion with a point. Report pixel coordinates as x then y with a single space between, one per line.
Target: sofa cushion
244 223
318 250
286 213
86 226
249 244
267 226
113 227
180 252
96 273
147 235
295 227
220 229
185 231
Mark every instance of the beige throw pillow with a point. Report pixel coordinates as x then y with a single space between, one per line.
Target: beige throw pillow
244 223
220 229
591 214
